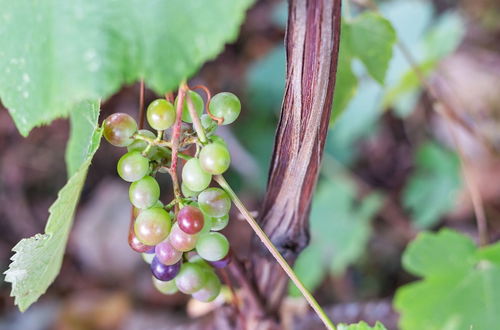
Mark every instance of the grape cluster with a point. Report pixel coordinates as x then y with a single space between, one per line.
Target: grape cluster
180 240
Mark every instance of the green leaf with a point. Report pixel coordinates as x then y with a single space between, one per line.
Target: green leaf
37 260
55 54
431 190
459 289
83 121
371 38
361 326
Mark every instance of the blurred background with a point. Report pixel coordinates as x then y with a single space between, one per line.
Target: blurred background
390 169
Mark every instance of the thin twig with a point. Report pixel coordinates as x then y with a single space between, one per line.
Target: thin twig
274 251
196 120
141 104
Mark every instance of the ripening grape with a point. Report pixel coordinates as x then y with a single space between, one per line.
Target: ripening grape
191 278
212 246
225 105
219 223
188 192
152 225
197 103
223 262
119 128
144 193
214 202
210 290
160 114
165 287
194 177
147 257
166 253
190 220
164 272
132 166
215 158
180 240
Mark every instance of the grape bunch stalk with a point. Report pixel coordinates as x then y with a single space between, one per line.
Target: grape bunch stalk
179 239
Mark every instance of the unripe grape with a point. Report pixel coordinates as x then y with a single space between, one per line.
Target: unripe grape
164 272
147 257
218 139
190 220
180 240
197 103
194 177
152 226
165 287
212 246
160 114
119 128
225 105
191 278
132 166
144 193
188 192
207 224
215 158
166 253
214 202
210 290
219 223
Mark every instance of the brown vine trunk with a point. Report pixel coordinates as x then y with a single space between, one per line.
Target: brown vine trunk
312 43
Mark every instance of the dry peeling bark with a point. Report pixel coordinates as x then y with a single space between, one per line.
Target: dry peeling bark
312 43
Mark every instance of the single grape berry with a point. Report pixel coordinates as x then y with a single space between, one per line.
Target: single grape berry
214 202
152 226
218 139
119 128
215 158
132 166
164 272
223 262
194 177
180 240
190 220
160 114
191 278
166 253
212 246
197 103
188 192
210 290
144 193
165 287
219 223
225 105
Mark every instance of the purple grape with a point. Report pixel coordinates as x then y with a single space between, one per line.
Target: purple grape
163 272
223 262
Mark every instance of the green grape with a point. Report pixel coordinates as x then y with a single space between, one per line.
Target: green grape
118 129
210 290
225 105
215 158
219 223
144 193
214 202
194 177
212 246
165 287
188 192
160 114
218 139
197 103
191 278
152 226
132 166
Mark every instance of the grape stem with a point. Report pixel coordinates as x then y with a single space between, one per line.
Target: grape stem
196 119
274 251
